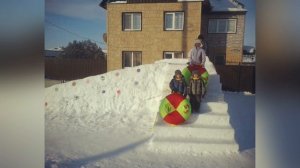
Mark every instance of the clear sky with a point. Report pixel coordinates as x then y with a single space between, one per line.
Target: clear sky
68 20
250 22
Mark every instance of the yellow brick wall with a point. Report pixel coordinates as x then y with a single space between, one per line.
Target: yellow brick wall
152 40
235 42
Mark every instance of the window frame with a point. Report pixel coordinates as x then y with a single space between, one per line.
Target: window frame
123 58
217 28
173 54
173 21
123 21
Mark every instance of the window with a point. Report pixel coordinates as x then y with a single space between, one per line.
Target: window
174 20
131 59
132 21
172 55
222 26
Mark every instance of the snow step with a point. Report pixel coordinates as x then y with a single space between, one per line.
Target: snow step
213 97
208 119
205 120
213 133
192 146
214 78
214 88
217 107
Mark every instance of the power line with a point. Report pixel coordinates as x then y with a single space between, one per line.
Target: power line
71 32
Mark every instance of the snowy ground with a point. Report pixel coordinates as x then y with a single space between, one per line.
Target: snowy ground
109 120
241 109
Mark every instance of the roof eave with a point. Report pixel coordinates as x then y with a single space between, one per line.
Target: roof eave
103 4
229 11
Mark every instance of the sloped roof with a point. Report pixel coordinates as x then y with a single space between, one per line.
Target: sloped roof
226 6
217 5
104 2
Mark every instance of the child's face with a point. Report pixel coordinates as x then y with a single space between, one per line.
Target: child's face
197 45
195 75
178 76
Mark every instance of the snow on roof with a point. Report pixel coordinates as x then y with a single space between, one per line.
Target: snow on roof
249 49
52 53
226 6
119 1
104 50
55 49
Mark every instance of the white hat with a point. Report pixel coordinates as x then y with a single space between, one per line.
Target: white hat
197 41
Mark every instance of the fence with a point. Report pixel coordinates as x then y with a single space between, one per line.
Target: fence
237 77
71 69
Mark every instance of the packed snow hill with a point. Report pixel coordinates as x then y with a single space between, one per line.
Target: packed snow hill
111 120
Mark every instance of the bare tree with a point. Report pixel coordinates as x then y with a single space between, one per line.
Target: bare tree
82 49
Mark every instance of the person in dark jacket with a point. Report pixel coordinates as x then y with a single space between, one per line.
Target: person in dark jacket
195 90
177 84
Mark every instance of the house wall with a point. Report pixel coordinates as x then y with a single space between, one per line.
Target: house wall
228 46
152 40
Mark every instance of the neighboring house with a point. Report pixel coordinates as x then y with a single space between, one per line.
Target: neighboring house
52 53
223 26
143 31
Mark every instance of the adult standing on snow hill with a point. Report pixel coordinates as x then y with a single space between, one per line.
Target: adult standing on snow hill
203 43
197 54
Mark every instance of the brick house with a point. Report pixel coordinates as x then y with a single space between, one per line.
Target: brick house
143 31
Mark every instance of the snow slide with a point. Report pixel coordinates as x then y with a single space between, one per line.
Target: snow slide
208 131
111 120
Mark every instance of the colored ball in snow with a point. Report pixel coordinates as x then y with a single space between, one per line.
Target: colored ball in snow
175 109
187 73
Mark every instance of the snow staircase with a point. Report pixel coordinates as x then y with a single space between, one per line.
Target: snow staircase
208 131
